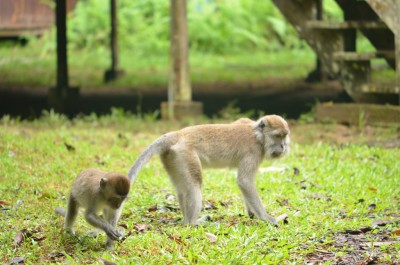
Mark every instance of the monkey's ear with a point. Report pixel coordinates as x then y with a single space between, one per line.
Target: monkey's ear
103 182
261 124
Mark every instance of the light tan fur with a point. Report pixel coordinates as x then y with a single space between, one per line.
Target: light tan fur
95 191
241 144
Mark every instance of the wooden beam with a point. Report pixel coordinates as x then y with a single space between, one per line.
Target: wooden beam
62 98
180 104
62 59
397 47
359 114
113 73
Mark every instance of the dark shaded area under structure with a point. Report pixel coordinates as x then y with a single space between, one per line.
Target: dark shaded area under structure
271 96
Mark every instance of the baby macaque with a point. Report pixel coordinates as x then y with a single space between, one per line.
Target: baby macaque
95 191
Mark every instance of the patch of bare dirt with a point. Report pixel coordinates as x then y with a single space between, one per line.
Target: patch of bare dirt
364 246
340 134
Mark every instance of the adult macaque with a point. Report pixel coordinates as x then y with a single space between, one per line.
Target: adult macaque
96 191
241 144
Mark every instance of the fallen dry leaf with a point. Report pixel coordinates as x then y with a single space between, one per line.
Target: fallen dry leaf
378 244
229 224
210 206
4 203
17 260
142 227
19 238
395 232
56 256
177 239
283 202
358 231
225 204
283 217
381 222
315 196
106 262
211 237
372 189
153 208
170 198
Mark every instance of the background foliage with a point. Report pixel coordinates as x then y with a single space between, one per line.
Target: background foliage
214 26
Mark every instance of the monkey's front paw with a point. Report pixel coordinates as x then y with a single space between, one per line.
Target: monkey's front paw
272 221
114 234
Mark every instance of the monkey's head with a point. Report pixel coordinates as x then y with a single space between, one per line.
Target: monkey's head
273 132
115 188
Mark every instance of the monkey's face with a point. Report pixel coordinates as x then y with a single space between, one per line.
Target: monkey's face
115 188
115 201
273 131
277 144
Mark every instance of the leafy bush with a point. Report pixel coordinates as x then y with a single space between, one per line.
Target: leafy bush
214 26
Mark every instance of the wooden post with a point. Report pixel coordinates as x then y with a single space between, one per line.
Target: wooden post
62 60
114 72
62 98
397 47
179 102
318 74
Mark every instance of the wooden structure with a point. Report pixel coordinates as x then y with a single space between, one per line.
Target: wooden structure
359 114
21 17
62 97
335 43
180 102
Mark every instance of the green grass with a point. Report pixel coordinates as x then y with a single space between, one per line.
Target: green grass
35 67
331 193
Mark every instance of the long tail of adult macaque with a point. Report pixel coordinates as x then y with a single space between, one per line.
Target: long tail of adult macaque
159 146
60 211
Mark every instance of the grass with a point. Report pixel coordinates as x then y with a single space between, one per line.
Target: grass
325 189
36 66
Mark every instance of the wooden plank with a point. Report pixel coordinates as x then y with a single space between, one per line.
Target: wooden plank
388 11
332 25
15 32
385 88
359 114
365 56
323 43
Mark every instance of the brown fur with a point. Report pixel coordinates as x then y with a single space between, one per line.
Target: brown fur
241 144
96 190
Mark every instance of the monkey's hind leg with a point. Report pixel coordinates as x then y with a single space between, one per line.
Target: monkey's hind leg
70 216
184 170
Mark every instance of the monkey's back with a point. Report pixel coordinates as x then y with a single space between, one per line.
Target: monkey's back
216 144
86 184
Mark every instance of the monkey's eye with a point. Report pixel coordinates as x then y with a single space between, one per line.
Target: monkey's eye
277 136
